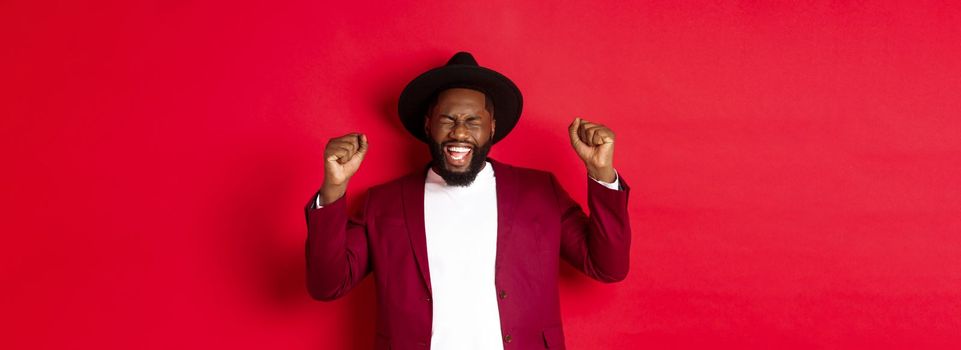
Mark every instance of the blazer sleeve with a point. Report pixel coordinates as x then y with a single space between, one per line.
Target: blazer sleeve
336 249
598 245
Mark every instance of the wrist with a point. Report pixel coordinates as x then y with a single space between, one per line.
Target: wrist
603 174
330 193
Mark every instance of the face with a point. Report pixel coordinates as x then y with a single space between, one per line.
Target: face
460 129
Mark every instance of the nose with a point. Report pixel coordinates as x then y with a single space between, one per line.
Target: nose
459 132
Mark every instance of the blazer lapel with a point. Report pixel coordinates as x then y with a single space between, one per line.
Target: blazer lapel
413 199
507 189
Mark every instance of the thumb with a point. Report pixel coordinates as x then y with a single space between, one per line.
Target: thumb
362 149
573 130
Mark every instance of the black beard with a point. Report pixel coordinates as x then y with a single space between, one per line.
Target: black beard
439 163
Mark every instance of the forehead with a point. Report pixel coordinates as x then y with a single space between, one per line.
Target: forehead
460 99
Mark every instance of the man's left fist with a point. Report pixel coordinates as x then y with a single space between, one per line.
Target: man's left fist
594 143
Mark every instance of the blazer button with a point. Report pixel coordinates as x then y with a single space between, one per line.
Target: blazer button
507 338
428 299
503 294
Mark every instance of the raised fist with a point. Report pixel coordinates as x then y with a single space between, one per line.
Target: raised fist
342 158
594 144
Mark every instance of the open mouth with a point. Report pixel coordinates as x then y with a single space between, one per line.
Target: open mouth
458 156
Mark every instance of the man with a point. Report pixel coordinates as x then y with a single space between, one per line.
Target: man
465 253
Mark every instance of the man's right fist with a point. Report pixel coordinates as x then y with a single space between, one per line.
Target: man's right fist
342 158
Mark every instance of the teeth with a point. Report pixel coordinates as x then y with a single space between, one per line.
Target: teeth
458 152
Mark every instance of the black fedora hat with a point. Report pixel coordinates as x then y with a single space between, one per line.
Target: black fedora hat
461 71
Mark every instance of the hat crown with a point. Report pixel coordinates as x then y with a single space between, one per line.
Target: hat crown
462 58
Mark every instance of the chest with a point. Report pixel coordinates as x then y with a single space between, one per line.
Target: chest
461 229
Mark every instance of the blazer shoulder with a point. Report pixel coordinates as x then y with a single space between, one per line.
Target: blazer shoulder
525 176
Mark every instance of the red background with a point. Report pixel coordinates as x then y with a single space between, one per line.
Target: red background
794 167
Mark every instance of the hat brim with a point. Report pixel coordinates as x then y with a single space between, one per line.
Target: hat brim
506 97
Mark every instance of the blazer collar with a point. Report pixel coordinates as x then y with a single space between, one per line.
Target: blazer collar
413 202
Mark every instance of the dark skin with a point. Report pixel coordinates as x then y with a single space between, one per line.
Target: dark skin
459 119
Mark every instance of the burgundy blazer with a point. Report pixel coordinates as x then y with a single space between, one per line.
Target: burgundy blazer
537 224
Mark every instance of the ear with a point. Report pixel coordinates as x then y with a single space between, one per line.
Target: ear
427 125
